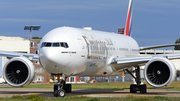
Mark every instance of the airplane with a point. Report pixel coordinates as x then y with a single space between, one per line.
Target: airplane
69 51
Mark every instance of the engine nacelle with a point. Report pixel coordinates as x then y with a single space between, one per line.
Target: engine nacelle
19 72
160 72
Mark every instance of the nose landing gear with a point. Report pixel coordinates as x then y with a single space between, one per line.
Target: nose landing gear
61 88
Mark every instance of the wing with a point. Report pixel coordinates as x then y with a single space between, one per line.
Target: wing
17 54
159 46
138 60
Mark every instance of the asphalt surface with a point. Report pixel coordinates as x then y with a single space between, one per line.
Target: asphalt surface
48 92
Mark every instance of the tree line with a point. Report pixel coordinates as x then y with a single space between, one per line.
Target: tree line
177 47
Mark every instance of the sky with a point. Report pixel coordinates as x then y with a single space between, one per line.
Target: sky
154 22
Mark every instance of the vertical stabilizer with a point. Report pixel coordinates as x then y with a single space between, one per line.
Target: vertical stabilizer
128 19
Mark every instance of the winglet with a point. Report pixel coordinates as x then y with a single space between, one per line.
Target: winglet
128 19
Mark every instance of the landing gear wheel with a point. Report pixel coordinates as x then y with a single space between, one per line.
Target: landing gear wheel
56 93
67 88
61 93
133 88
143 88
138 86
56 88
60 88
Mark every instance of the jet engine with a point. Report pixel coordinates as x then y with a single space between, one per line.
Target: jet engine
160 72
19 72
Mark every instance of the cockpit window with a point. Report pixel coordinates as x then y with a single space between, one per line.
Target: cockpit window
48 44
66 45
62 44
55 44
43 44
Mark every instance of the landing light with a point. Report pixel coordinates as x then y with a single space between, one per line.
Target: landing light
60 77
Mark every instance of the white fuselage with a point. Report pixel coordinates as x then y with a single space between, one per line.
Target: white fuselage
83 52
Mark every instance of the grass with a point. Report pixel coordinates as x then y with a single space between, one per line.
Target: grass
118 85
87 85
175 86
123 85
83 98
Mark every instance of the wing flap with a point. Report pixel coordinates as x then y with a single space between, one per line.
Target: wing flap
139 60
125 63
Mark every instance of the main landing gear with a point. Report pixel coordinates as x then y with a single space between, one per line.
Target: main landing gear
61 88
138 86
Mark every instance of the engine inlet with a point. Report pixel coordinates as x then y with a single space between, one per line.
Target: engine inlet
17 72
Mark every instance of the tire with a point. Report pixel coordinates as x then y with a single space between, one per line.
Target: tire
61 93
56 90
143 88
67 88
133 88
56 93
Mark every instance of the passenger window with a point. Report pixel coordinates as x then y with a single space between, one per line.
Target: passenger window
56 44
48 44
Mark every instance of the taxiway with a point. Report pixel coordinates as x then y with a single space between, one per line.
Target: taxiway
48 92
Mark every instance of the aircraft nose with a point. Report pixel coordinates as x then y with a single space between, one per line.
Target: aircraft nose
50 56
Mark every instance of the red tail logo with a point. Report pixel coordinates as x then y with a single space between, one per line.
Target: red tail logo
128 20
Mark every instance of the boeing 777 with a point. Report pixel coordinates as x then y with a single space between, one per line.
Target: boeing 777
68 51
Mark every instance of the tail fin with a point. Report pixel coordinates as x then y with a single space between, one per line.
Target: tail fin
128 19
